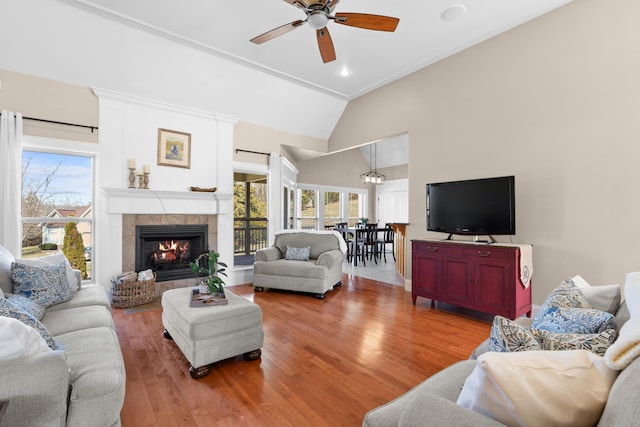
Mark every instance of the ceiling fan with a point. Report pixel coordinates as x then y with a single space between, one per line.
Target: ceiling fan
319 14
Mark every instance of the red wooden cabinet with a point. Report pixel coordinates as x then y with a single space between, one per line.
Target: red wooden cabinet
481 277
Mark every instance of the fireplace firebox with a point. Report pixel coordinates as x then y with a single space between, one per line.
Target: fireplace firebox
168 249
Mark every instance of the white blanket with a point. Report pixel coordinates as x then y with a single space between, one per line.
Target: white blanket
627 346
343 244
526 261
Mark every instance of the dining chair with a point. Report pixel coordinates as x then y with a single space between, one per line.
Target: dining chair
342 228
370 245
388 237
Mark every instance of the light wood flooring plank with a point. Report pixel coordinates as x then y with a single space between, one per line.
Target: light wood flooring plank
324 362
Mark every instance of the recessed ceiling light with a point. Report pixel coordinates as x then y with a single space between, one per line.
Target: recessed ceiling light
452 13
345 72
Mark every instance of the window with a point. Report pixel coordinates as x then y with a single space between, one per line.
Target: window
356 207
57 200
332 209
337 205
308 217
250 216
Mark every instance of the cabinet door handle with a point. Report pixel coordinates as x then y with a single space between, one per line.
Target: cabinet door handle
484 253
432 249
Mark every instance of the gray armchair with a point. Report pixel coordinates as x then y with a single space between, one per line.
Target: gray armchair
315 273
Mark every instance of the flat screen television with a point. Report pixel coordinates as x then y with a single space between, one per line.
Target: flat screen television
476 207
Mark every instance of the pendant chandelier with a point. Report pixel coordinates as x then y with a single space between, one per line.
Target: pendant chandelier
373 176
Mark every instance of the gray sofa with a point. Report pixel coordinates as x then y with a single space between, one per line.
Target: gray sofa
82 382
433 402
316 275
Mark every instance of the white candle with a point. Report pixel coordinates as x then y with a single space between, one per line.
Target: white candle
146 168
132 163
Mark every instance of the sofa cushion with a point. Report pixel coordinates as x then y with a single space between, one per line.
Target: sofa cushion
77 318
6 258
622 407
512 387
446 384
9 310
19 340
87 295
298 254
285 267
25 304
96 375
46 285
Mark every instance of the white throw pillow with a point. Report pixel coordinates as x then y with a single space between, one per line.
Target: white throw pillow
19 340
6 258
54 259
603 297
539 388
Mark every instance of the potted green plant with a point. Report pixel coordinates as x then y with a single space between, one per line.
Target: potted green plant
209 268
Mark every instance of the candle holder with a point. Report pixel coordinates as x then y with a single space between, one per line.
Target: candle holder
132 177
140 181
146 180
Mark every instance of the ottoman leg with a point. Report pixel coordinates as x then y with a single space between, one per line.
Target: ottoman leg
167 335
200 372
252 355
258 288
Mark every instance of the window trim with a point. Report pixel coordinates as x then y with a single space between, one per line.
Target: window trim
344 196
70 148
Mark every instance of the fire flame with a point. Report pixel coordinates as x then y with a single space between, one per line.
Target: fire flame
171 251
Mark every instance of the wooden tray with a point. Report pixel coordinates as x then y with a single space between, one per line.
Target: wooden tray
205 300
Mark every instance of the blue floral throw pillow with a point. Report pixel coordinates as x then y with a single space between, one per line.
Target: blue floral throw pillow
574 320
595 343
508 336
298 254
567 294
9 310
25 304
45 285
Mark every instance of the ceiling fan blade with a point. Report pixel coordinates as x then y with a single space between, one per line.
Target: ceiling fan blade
325 44
367 21
298 3
272 34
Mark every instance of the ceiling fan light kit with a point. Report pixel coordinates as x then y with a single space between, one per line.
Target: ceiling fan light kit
318 16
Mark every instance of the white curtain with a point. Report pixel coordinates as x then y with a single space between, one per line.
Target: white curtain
11 181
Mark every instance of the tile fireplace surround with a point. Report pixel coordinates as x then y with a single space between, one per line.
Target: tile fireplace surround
123 209
129 222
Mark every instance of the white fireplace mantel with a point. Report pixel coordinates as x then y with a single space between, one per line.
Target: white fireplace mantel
138 201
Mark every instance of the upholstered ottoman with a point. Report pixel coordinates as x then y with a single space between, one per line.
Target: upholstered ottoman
212 333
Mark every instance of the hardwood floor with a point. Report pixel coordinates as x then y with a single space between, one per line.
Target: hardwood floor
324 362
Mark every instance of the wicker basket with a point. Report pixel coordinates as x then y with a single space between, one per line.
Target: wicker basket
129 293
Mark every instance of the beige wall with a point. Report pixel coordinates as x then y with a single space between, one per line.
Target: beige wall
50 100
251 137
555 102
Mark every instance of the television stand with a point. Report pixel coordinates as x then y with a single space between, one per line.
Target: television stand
482 278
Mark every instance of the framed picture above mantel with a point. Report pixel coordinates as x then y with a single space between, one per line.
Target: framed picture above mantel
174 148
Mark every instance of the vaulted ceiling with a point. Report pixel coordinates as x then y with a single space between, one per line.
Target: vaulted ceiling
427 32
